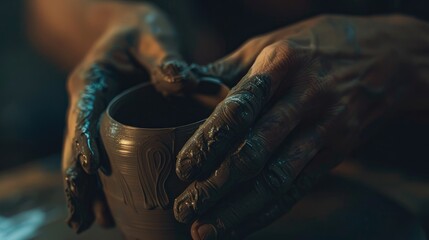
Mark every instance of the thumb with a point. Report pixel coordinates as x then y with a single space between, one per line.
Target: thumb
231 68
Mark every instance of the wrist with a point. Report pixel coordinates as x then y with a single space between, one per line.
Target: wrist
397 46
412 39
140 25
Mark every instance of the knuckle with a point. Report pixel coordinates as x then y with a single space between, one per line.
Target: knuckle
259 85
320 85
98 72
92 76
238 110
208 194
250 158
280 48
316 88
279 175
275 57
246 100
253 42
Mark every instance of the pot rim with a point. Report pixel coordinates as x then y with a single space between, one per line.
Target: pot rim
132 89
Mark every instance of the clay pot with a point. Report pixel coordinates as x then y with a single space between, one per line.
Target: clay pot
142 132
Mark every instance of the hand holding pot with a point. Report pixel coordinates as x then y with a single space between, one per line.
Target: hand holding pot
307 93
137 40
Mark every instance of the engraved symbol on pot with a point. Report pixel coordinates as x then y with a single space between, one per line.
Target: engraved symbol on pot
127 195
155 164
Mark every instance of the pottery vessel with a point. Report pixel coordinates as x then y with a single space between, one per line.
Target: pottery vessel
142 132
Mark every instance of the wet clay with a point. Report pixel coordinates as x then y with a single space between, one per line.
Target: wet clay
142 131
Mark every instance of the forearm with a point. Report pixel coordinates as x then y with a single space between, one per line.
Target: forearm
393 51
419 94
124 36
129 35
410 39
66 30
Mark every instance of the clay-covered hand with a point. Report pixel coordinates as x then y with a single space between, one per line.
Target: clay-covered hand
136 44
307 93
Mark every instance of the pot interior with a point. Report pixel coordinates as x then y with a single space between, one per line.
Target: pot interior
144 107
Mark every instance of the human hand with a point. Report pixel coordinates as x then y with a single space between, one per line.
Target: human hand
307 93
134 44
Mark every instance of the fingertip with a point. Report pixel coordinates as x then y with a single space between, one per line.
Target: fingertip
206 232
194 230
174 77
185 169
185 205
74 226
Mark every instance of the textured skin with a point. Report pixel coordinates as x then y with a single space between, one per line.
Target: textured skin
301 97
138 44
309 91
130 49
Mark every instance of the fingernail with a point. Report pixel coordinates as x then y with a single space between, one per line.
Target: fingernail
207 232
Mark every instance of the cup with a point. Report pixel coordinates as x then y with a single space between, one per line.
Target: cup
142 131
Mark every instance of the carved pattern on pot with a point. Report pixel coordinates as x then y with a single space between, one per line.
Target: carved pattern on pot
126 191
127 195
154 166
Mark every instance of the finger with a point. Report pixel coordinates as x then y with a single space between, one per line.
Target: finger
249 159
92 100
261 203
234 211
262 211
274 181
233 117
85 110
231 213
174 77
79 195
231 68
299 149
103 216
318 166
222 129
159 52
87 152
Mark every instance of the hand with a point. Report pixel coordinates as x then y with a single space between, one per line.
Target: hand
130 47
308 92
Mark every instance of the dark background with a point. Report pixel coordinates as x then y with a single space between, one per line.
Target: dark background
32 93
